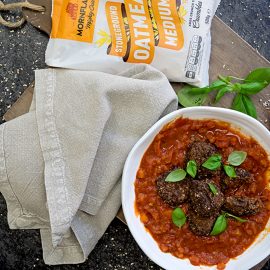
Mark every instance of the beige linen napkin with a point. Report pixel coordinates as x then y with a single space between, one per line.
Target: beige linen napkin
61 163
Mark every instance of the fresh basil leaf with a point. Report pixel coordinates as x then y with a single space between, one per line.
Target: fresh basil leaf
237 218
238 104
178 217
230 171
250 108
221 92
203 90
244 104
188 99
217 84
252 88
192 168
236 158
220 225
213 188
176 176
213 163
259 75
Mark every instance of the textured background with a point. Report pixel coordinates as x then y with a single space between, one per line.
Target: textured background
21 52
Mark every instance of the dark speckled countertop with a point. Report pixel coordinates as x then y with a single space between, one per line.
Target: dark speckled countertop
21 52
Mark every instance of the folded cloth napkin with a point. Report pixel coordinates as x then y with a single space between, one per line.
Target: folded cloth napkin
61 163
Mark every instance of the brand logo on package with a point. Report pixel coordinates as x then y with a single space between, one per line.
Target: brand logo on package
72 9
74 20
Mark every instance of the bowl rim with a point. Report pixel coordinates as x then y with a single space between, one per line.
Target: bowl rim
152 132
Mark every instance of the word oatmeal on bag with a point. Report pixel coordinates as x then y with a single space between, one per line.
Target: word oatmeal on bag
171 35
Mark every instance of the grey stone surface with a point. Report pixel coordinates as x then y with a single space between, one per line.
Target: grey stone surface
251 20
21 52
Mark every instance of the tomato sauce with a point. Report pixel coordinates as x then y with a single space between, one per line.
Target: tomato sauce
167 151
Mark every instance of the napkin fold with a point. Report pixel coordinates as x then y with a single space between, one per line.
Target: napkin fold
61 163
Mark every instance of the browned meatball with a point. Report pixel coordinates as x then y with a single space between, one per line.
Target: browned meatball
202 200
242 205
200 225
200 152
173 193
242 177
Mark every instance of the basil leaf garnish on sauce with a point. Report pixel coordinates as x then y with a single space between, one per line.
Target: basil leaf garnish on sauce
192 168
220 225
178 217
230 171
213 188
176 176
213 163
236 158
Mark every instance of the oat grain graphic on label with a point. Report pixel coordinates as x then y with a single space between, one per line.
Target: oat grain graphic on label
105 38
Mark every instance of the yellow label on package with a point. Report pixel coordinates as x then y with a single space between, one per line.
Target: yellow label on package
74 19
110 36
114 13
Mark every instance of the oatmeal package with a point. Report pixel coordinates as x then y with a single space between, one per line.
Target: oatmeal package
171 35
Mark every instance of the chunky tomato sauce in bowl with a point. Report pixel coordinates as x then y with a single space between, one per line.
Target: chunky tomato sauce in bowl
195 190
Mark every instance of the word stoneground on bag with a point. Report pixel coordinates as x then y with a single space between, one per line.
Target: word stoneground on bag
172 35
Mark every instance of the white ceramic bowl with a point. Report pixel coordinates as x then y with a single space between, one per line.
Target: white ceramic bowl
259 250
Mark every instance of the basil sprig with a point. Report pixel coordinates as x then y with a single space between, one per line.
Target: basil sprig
178 217
192 168
176 176
221 223
213 163
235 158
255 81
180 174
